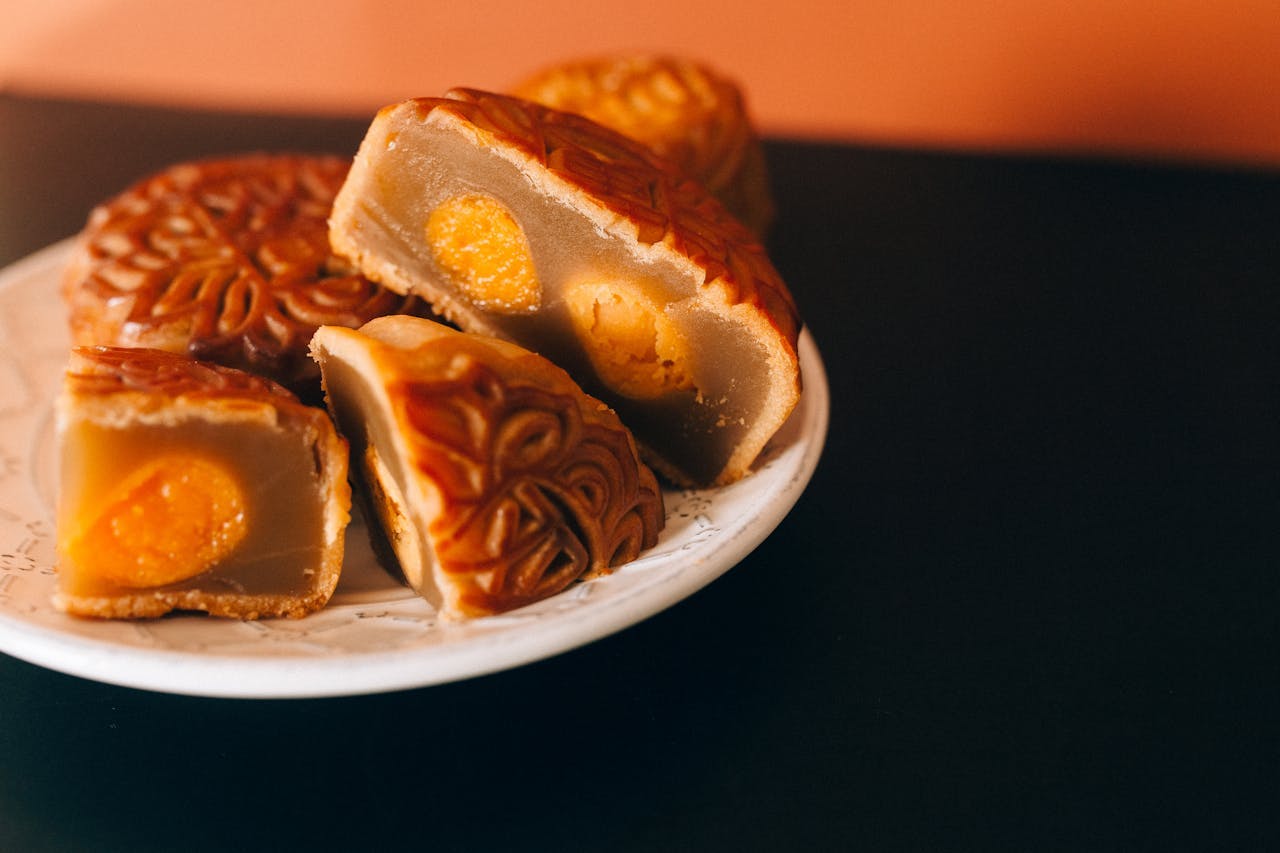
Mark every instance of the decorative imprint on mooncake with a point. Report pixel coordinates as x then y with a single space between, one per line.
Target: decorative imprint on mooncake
228 258
650 98
538 497
107 370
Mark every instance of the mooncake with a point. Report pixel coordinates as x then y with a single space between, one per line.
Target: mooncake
543 228
496 481
190 486
224 260
680 108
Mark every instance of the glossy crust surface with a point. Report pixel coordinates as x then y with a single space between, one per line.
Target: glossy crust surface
497 480
629 196
161 378
223 260
682 109
119 388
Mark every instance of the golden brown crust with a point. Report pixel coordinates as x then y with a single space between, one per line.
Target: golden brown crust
156 603
116 387
102 370
631 181
517 481
224 260
683 110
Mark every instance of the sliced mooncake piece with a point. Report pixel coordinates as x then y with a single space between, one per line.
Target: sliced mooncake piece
224 260
541 227
682 109
189 486
496 480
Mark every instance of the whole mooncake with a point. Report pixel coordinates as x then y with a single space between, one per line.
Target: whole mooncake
191 486
224 260
541 227
496 480
680 108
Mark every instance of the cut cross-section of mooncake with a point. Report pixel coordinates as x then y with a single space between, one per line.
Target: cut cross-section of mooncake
682 109
224 260
496 480
541 227
191 486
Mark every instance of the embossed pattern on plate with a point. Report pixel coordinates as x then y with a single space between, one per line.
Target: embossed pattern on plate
375 635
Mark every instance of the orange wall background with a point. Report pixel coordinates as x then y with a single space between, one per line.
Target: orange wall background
1181 79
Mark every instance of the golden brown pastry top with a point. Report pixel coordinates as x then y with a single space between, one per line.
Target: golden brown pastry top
534 483
502 452
632 181
120 385
102 370
683 110
225 260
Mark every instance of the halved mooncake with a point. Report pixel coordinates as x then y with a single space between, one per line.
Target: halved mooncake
682 109
190 486
496 480
224 260
541 227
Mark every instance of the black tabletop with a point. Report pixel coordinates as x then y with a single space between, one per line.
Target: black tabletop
1029 600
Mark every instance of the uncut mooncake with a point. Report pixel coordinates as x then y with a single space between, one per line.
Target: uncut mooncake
541 227
683 110
224 260
496 480
190 486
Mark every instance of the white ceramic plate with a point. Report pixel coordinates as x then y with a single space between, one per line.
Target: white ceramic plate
375 635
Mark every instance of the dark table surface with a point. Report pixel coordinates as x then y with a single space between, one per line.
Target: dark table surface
1029 600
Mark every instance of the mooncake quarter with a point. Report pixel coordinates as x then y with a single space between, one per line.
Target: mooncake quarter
541 227
224 260
682 109
191 486
496 481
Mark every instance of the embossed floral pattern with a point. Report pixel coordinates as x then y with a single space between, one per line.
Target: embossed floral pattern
106 370
685 112
536 495
227 260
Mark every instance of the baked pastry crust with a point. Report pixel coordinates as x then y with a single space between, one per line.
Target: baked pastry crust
583 194
224 260
117 389
682 109
497 481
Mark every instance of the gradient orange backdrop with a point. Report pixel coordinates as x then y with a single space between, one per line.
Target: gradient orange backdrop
1194 79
